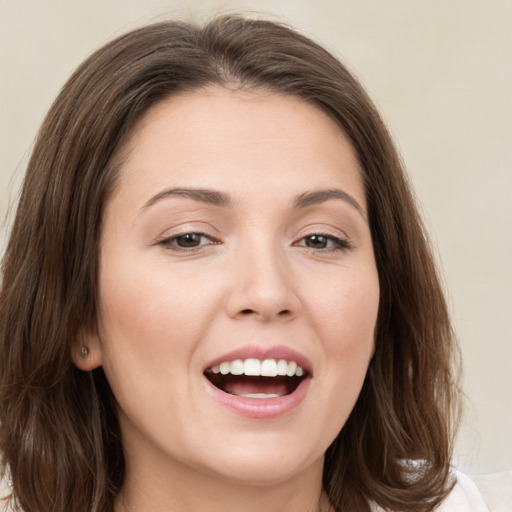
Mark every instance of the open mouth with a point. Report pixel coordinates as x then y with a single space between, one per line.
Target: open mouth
254 378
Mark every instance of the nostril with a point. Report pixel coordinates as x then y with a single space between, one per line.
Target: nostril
284 312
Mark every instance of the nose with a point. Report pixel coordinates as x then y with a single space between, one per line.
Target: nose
262 286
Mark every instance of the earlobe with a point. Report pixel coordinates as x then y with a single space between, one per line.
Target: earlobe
86 353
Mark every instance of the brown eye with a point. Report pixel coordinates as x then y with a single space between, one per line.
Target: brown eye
325 243
189 240
316 241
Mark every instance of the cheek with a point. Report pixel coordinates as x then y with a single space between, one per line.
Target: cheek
345 315
138 322
345 304
152 323
148 330
153 305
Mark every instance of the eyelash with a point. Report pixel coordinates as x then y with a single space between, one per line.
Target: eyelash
338 244
170 243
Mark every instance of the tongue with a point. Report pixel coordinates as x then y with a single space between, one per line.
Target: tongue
256 386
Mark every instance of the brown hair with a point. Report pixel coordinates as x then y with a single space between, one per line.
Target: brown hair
59 434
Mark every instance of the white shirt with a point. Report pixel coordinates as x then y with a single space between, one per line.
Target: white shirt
464 497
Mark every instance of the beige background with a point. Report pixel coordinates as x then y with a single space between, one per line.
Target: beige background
441 73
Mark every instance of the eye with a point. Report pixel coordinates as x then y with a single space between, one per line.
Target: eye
187 241
321 242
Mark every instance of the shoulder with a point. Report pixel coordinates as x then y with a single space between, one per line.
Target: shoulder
5 490
464 497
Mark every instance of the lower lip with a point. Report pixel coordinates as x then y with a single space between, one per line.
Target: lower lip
260 408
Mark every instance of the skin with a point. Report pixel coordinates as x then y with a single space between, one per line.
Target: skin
166 311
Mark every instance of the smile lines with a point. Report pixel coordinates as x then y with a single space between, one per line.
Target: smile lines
259 368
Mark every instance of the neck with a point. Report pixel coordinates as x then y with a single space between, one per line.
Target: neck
186 490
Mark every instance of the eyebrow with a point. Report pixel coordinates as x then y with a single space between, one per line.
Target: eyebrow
222 199
203 195
321 196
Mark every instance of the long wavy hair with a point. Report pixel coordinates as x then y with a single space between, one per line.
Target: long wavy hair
60 440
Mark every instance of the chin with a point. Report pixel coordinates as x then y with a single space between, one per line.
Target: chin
267 471
263 459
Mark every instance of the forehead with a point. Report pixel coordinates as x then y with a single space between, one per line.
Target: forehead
218 138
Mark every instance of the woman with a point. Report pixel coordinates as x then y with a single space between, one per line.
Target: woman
218 293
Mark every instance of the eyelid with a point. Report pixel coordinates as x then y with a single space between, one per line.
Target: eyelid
166 241
323 227
181 227
340 243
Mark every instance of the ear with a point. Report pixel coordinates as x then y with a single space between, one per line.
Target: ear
86 352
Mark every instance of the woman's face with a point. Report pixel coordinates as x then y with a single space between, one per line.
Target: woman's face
235 247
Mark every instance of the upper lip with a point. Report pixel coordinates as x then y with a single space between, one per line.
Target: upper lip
262 353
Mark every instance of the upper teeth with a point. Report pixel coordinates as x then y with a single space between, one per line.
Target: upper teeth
255 367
